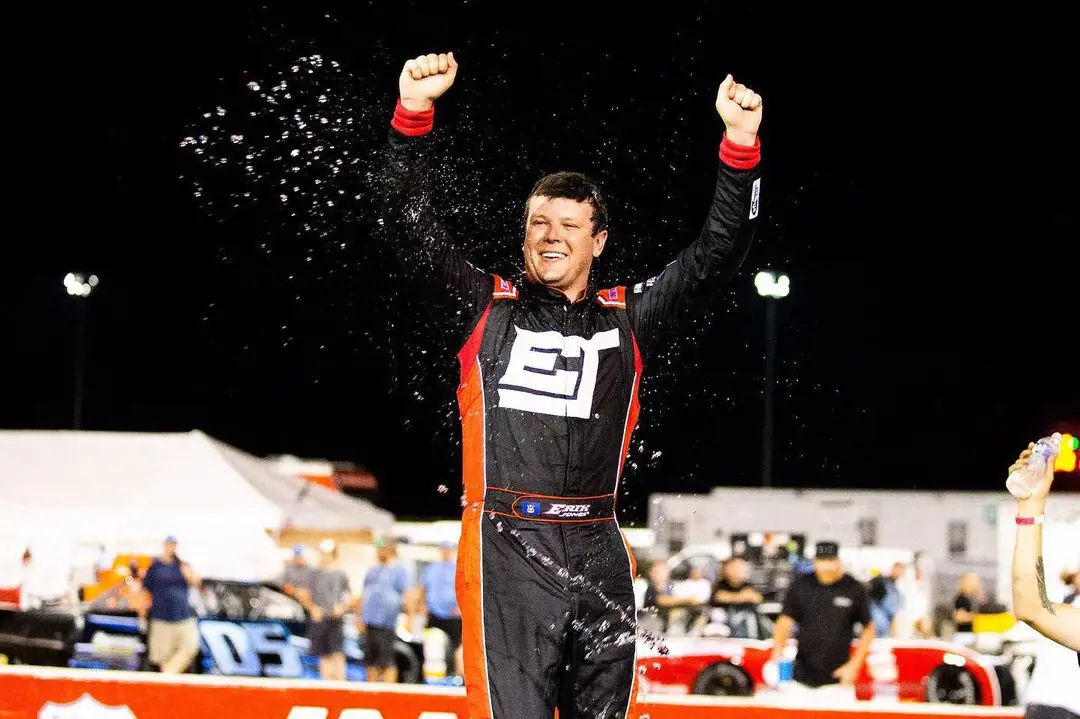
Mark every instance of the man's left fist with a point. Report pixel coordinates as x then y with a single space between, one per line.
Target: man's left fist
740 109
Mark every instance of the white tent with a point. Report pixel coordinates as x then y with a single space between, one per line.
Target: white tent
60 489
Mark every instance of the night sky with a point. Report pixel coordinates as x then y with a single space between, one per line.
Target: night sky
920 192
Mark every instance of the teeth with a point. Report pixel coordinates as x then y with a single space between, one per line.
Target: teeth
553 255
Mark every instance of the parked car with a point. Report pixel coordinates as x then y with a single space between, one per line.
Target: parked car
245 629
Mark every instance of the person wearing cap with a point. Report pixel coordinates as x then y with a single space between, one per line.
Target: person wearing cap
388 590
439 597
172 634
825 607
297 576
1052 692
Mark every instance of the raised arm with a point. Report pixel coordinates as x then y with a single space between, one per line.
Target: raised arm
666 303
1054 620
455 290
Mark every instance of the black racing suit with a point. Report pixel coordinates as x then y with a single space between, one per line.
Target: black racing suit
548 402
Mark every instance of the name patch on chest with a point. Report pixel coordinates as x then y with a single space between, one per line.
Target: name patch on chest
533 383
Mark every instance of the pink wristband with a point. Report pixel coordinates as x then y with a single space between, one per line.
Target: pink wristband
1037 519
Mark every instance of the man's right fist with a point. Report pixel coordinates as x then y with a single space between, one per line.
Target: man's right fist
424 79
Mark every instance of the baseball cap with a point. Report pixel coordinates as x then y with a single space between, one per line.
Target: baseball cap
298 550
170 539
447 544
826 550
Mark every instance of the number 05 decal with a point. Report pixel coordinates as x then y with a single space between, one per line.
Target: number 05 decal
250 649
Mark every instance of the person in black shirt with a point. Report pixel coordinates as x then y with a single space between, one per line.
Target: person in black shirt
967 603
733 593
826 606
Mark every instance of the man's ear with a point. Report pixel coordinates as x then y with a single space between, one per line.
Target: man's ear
598 243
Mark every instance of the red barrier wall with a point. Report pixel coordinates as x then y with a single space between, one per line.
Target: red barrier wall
42 693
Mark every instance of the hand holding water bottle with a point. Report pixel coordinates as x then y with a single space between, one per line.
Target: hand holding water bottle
1031 475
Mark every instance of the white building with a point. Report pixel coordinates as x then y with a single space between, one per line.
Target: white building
956 531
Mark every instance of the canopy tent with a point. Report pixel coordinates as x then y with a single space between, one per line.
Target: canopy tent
129 490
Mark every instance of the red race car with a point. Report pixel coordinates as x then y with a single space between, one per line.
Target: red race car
914 671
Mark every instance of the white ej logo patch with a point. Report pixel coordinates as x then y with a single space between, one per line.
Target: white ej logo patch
755 198
531 382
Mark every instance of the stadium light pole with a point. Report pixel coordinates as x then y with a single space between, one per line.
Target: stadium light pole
79 287
772 287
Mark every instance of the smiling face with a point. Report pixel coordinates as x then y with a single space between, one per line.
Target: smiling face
564 231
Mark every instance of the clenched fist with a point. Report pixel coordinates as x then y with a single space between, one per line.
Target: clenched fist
740 109
424 79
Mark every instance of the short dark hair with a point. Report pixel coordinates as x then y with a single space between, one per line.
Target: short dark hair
572 186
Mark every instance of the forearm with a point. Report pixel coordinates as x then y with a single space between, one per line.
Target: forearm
688 286
190 577
781 635
424 247
413 603
1028 575
862 649
731 224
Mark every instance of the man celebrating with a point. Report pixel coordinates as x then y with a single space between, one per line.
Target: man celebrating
550 370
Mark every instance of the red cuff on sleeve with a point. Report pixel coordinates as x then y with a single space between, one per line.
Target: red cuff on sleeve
412 123
740 157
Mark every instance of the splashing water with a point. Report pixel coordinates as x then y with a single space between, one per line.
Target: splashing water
294 156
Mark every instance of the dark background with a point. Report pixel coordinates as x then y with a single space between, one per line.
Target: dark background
920 192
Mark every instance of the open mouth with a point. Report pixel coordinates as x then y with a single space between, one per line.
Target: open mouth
553 256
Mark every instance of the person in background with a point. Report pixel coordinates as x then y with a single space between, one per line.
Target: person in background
885 600
172 634
827 607
694 591
29 597
297 576
1052 692
659 601
439 597
733 593
330 599
388 590
1071 579
967 602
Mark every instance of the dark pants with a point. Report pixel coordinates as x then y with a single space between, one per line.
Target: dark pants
379 647
327 637
548 618
452 627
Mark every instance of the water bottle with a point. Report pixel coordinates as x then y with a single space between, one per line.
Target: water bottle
1021 483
